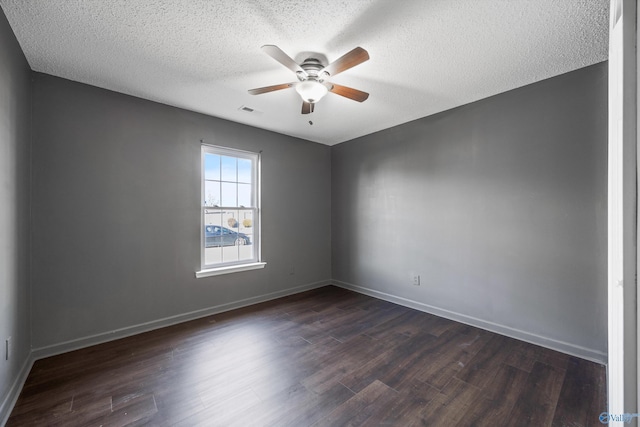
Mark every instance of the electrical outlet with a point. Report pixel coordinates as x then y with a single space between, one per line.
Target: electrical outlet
6 348
416 280
292 271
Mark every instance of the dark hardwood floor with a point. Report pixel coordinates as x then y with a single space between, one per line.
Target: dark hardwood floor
327 357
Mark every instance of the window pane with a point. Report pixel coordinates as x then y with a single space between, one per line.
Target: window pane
230 221
245 218
245 252
244 170
244 195
229 253
229 169
245 232
212 193
229 194
245 235
211 166
230 235
212 236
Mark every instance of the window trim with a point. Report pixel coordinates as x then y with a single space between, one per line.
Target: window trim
217 271
255 262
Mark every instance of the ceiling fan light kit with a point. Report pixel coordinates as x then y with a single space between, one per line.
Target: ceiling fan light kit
311 91
312 75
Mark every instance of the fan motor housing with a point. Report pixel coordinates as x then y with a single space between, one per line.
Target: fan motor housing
312 66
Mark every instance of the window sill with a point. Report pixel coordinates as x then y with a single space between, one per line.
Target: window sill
229 269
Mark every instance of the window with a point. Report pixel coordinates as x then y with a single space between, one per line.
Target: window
230 232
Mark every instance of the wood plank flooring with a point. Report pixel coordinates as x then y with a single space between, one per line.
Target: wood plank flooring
327 357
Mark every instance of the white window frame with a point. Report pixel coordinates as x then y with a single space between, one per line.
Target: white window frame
255 262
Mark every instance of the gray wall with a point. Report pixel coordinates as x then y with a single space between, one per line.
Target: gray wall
499 206
15 142
116 212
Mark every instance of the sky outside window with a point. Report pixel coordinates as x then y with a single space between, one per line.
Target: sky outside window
228 181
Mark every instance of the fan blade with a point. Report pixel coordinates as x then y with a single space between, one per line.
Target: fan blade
276 53
349 92
346 61
307 107
266 89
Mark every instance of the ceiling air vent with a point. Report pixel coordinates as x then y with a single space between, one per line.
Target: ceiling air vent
249 109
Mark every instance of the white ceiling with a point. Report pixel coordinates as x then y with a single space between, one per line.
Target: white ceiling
427 56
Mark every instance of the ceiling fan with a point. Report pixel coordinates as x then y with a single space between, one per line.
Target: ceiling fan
313 75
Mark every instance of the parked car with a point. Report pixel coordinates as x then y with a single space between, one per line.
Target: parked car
215 236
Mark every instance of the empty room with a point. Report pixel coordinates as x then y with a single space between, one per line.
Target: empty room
283 213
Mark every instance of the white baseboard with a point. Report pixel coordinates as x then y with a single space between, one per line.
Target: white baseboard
63 347
561 346
11 398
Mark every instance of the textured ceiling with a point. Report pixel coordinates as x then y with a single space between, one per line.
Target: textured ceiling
427 56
